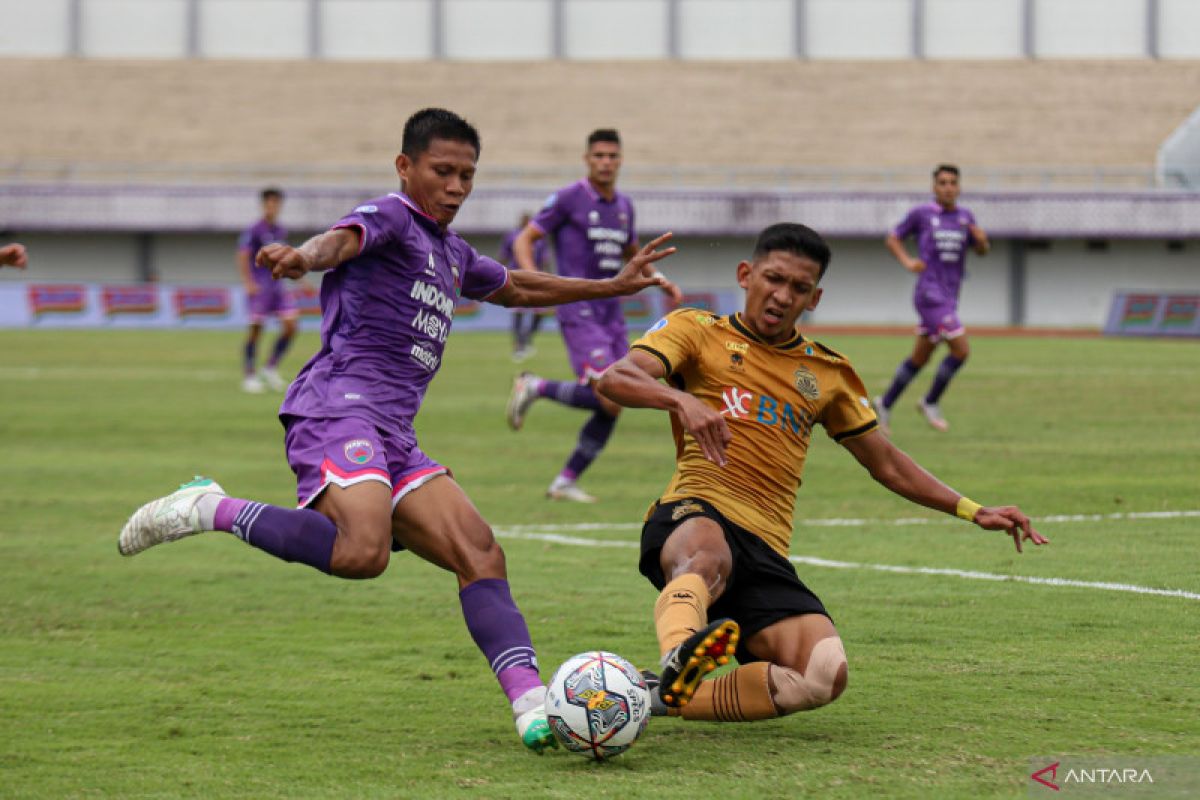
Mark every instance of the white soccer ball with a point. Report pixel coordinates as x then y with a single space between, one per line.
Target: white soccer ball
597 704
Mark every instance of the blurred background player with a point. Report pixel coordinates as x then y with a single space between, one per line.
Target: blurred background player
13 255
525 321
716 543
364 484
943 231
266 297
593 229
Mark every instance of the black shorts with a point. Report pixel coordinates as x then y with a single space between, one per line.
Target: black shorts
763 587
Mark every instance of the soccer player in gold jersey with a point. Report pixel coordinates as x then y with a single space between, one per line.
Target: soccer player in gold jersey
744 393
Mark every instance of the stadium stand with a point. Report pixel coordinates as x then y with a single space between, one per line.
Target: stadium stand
832 114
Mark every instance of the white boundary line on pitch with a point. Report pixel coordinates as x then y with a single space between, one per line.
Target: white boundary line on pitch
525 532
853 522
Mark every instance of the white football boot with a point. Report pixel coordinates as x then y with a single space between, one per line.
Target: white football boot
252 384
168 518
270 376
524 392
563 489
933 415
529 713
884 414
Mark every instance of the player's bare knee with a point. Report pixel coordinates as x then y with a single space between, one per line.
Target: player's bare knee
821 683
713 568
362 561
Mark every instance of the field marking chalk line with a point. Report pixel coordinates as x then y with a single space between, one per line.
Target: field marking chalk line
555 534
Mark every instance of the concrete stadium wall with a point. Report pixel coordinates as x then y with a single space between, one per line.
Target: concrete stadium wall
601 29
1067 282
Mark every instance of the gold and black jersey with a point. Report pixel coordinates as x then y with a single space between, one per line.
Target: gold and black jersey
771 397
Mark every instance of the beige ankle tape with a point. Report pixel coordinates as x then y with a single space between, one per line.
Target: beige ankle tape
680 611
739 696
795 692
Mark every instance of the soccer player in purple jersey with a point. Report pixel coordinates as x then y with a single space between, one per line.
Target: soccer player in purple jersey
267 297
525 321
943 230
592 226
13 255
364 485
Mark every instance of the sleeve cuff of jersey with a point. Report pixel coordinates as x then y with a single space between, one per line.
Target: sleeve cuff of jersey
853 432
500 288
666 362
362 233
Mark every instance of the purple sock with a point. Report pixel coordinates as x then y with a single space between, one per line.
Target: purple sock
575 395
250 354
292 534
946 370
499 630
904 375
281 347
592 439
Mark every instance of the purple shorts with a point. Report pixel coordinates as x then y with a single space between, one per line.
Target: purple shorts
271 302
349 450
939 321
593 346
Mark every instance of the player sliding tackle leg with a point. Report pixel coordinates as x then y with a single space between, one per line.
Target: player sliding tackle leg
364 484
716 543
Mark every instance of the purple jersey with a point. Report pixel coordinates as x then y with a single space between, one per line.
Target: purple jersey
590 235
386 313
942 241
253 239
508 259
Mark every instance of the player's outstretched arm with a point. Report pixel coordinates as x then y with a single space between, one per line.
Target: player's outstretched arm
322 252
634 382
896 248
531 288
13 255
892 467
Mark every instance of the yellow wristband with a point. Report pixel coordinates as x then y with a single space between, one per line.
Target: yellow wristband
967 509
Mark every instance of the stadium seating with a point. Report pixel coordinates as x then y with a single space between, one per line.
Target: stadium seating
828 113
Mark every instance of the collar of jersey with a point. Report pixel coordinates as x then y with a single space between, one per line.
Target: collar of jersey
735 320
596 196
421 216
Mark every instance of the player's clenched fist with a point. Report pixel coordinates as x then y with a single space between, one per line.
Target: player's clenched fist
284 261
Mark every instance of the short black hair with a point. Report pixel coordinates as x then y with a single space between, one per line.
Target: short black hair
604 135
436 123
269 192
940 168
792 237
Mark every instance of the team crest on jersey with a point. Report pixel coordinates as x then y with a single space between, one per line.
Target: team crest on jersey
737 362
806 384
686 508
593 217
358 451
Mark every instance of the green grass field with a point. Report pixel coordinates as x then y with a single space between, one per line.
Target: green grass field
207 669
